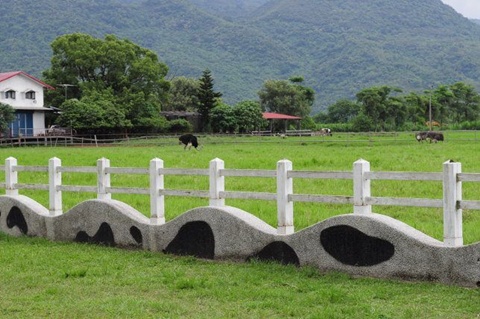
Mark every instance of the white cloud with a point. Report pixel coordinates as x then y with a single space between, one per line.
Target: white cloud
468 8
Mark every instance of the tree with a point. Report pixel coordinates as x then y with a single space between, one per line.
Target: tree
94 111
7 115
381 108
207 98
182 95
248 115
414 108
465 102
284 97
440 100
223 119
343 111
133 75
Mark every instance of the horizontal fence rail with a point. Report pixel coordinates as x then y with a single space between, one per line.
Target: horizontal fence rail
38 138
361 175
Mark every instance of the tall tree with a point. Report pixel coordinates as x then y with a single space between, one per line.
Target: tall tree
465 102
223 119
182 95
281 96
88 65
381 108
343 111
249 116
207 98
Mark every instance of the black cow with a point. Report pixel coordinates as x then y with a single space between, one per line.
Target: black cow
430 136
435 136
188 140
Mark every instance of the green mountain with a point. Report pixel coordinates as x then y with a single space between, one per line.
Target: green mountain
339 47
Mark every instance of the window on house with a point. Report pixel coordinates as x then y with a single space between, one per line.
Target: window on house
10 94
30 95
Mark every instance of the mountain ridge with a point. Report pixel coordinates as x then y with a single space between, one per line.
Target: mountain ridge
338 47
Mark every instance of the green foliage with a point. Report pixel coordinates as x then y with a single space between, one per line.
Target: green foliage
308 123
339 47
179 126
280 96
95 110
121 83
223 119
249 117
182 95
207 97
7 115
363 123
343 111
387 109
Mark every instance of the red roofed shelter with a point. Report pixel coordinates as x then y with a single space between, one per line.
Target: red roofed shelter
281 117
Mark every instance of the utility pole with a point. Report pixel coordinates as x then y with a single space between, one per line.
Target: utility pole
430 110
66 87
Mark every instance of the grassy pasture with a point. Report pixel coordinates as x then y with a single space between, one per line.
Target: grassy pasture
42 279
393 152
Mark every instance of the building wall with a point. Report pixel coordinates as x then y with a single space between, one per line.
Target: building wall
21 85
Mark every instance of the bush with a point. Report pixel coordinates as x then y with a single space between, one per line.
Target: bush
180 126
362 123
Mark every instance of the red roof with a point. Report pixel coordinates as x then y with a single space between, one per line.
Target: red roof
278 116
8 75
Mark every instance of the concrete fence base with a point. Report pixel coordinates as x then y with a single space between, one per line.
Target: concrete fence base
370 245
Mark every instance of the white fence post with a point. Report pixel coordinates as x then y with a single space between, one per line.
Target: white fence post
284 206
452 214
103 179
217 182
157 202
361 187
11 177
54 180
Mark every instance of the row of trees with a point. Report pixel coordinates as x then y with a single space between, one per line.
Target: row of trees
386 108
115 85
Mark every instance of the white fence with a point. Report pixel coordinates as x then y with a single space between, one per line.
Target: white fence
362 200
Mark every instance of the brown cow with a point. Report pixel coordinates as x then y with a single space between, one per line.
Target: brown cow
434 123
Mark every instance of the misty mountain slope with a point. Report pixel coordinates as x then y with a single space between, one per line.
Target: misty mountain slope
339 47
357 43
229 9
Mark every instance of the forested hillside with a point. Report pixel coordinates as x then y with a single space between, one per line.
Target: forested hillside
339 47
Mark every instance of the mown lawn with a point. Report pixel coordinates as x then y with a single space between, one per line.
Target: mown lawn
42 279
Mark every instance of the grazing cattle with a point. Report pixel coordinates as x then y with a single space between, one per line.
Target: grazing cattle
325 131
430 136
435 137
188 140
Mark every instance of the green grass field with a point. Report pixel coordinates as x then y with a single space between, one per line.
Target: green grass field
41 279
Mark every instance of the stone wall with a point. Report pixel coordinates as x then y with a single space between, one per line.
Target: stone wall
370 245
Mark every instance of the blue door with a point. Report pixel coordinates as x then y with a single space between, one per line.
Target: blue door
22 125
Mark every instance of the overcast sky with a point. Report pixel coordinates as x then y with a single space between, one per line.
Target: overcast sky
469 8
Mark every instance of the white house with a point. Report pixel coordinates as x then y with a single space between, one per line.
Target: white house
25 94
